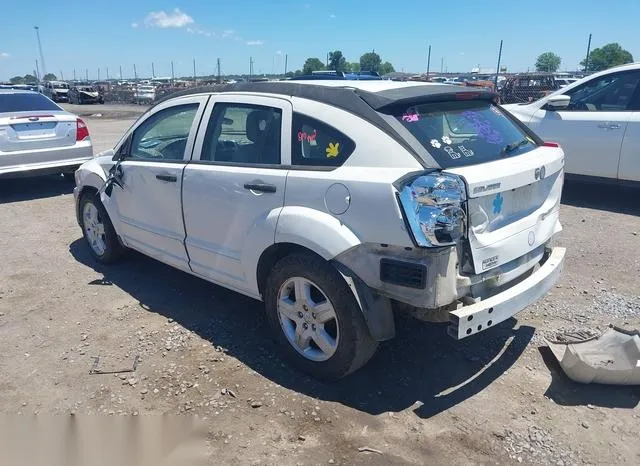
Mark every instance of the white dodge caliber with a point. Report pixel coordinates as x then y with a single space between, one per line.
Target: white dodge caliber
335 201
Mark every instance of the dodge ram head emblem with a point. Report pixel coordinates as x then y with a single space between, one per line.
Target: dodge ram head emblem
540 173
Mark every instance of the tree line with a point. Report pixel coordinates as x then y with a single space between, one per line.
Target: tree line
599 59
31 79
336 61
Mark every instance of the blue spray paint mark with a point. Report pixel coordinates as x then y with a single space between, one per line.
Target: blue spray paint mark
497 204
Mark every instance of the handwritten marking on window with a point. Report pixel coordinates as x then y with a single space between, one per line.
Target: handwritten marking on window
304 136
452 153
333 150
483 127
466 152
410 117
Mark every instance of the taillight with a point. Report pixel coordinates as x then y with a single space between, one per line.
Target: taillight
82 132
551 144
433 204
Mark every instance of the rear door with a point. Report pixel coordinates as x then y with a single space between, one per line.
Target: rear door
234 187
149 203
591 130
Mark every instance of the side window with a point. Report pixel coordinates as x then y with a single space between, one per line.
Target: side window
317 144
163 136
243 133
610 93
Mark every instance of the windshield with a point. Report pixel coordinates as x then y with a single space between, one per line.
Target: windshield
60 86
459 133
87 89
25 102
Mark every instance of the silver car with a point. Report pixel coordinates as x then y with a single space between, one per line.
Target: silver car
38 137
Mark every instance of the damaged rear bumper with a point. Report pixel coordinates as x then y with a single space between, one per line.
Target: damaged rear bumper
477 317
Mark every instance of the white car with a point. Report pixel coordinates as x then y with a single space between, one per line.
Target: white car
38 137
145 94
330 201
596 120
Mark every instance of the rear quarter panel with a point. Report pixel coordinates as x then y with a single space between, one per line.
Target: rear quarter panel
330 211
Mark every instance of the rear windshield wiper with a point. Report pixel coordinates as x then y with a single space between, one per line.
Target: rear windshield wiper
514 145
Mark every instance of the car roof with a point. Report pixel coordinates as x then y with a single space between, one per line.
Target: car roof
341 93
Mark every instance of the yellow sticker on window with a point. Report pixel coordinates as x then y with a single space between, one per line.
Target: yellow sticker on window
333 150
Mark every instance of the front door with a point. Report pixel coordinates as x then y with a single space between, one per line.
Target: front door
591 129
149 205
234 188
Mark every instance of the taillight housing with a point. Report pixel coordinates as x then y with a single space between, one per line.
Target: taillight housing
82 132
434 208
550 144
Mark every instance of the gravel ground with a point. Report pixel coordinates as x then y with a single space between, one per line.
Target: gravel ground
495 398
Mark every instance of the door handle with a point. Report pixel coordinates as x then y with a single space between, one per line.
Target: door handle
260 187
609 126
168 178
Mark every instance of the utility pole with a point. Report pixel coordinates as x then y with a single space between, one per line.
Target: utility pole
98 74
74 74
586 60
61 76
428 62
107 73
120 72
498 68
286 59
441 64
219 73
250 67
194 72
135 73
153 71
37 71
173 77
44 68
86 74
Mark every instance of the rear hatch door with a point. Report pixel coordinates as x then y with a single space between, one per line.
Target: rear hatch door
514 181
513 205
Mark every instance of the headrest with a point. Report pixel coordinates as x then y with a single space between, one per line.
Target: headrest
257 124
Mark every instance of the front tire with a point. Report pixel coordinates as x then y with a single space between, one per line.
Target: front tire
98 230
316 319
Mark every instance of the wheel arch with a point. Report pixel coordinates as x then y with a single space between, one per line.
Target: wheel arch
272 255
376 309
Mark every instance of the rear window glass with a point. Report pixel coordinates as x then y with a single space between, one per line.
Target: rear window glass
25 102
317 144
459 133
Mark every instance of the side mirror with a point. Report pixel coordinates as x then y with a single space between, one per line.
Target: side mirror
558 102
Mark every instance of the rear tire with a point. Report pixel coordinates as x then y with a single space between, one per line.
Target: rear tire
98 230
329 343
